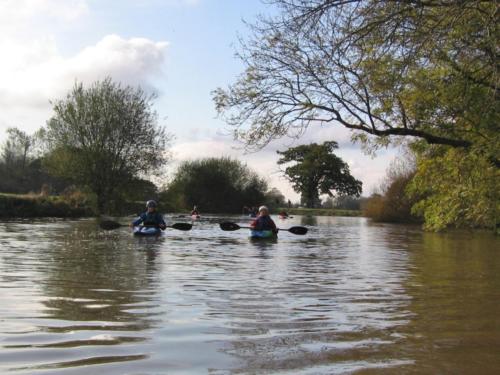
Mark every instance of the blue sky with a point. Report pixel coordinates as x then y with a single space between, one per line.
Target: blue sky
182 49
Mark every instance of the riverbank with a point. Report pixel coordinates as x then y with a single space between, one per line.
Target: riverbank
28 205
34 205
321 212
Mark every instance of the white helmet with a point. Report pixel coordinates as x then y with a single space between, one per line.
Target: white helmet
263 208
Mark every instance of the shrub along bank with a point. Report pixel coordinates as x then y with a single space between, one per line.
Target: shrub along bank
320 212
12 205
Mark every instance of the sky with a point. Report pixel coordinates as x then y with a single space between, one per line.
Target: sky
180 49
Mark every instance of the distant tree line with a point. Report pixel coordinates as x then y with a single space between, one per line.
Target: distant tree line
103 140
21 165
99 147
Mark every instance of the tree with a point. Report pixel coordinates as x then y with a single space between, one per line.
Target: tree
217 185
20 164
318 171
104 137
274 199
454 188
425 69
17 149
394 204
347 202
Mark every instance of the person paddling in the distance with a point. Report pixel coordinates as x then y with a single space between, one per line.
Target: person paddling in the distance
195 212
150 218
263 222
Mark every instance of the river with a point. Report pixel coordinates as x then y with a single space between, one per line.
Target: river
349 297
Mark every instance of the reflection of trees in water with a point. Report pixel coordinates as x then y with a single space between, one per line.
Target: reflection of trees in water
309 220
91 278
307 302
455 303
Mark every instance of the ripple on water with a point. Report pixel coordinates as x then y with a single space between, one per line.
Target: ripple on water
349 297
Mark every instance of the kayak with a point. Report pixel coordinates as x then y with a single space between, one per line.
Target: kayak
146 231
263 234
283 217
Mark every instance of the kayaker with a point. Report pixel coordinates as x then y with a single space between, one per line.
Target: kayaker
150 218
283 214
195 211
264 221
253 212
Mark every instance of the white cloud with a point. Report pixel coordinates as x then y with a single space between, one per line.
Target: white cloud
32 74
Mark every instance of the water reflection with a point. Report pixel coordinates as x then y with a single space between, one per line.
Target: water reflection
455 289
94 293
350 296
308 220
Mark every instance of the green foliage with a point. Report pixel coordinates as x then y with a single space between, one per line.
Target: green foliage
317 170
17 148
104 138
384 69
20 165
394 205
216 185
348 202
458 189
274 199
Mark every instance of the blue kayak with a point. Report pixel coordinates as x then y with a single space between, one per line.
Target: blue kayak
262 234
146 231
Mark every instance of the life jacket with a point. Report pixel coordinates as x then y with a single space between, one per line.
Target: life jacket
153 218
264 223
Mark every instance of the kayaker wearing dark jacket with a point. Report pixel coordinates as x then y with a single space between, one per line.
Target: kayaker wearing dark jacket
151 217
264 221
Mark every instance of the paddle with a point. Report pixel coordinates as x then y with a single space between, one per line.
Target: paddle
228 226
110 225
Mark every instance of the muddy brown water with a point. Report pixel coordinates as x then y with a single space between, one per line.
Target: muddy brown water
350 297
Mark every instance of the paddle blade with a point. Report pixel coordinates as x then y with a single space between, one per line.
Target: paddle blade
298 230
182 226
229 226
109 225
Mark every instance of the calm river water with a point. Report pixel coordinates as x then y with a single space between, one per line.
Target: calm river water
350 297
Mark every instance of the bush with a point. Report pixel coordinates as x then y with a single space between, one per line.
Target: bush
394 205
37 206
218 185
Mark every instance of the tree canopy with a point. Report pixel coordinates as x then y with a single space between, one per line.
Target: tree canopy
425 69
453 188
21 166
216 185
317 170
104 137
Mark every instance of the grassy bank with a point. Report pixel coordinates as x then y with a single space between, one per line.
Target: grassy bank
14 205
320 212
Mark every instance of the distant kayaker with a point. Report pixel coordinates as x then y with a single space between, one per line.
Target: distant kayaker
151 217
195 211
253 212
264 221
283 214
